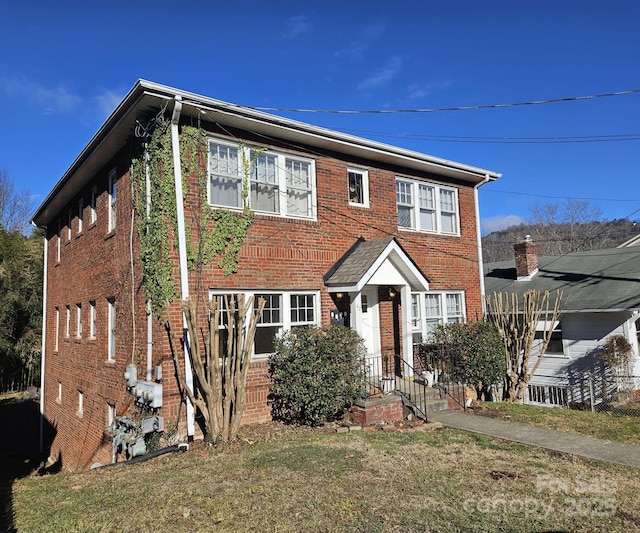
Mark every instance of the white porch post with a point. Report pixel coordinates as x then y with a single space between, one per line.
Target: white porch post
407 334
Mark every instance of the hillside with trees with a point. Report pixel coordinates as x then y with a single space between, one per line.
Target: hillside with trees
559 229
21 270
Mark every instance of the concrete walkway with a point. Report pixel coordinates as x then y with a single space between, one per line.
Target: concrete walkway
601 450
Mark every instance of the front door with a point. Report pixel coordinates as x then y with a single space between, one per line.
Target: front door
370 328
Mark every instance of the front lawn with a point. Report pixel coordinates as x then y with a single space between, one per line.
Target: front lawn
444 480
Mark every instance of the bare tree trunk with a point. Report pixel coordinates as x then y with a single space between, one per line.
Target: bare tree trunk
518 329
220 377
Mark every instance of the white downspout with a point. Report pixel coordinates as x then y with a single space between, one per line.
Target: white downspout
148 305
182 254
44 339
479 240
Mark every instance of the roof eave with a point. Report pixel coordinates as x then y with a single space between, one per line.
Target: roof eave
144 95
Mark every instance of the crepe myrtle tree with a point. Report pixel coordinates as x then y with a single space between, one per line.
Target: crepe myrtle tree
518 319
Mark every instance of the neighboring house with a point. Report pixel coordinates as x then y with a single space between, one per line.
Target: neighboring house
345 230
602 288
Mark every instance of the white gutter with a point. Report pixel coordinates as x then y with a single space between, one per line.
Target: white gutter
476 201
44 338
182 255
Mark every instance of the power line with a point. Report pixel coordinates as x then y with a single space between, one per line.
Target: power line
501 140
564 197
438 109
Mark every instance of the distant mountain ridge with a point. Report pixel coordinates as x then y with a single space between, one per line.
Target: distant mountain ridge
559 238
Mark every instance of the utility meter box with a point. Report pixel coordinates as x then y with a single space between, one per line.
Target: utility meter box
148 394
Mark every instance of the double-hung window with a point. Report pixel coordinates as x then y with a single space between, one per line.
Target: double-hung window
283 311
358 184
279 184
427 207
93 205
111 329
428 309
265 190
225 173
112 200
78 320
80 215
92 319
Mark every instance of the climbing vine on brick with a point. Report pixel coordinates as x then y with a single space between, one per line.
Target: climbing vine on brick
220 232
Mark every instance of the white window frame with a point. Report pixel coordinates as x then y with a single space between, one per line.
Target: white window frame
80 403
445 314
410 196
57 326
285 323
80 214
92 319
67 330
93 215
111 330
113 196
58 245
557 332
59 396
281 182
78 321
364 184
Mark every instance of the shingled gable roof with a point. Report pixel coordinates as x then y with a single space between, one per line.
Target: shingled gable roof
596 281
359 264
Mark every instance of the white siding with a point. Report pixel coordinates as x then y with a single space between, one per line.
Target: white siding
582 333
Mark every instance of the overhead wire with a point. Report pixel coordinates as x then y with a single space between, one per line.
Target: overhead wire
622 137
440 109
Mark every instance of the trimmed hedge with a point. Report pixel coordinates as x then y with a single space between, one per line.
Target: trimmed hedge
317 374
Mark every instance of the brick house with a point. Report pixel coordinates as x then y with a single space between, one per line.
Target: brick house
345 229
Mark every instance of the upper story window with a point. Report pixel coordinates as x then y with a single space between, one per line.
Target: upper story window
112 200
67 327
92 206
429 309
78 320
92 320
427 207
80 215
58 239
57 326
358 187
279 184
69 222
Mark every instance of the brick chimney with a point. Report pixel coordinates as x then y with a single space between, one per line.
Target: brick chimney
526 259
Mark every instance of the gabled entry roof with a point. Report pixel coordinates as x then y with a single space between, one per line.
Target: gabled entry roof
360 264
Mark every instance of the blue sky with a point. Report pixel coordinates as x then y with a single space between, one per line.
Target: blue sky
64 66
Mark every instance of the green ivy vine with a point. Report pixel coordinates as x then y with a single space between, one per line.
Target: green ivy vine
219 232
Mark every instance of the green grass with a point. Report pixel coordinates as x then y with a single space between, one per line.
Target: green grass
360 481
600 425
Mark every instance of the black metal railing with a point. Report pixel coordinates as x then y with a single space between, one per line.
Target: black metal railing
434 363
390 374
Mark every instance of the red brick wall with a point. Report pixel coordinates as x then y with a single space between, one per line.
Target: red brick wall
277 254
